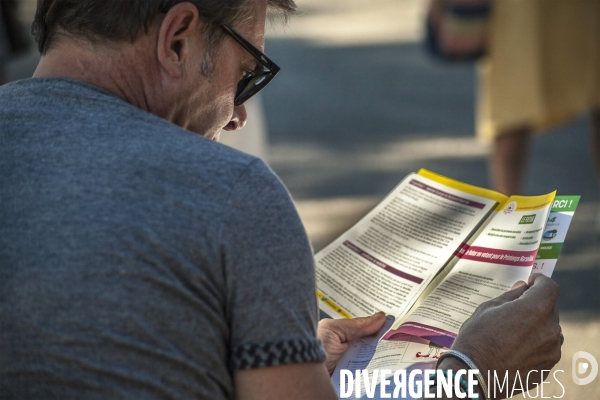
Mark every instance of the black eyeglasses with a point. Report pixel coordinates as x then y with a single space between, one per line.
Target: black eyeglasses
255 81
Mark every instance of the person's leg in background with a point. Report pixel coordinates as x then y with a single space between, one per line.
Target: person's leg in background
508 160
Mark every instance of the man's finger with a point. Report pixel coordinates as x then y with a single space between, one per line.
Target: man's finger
541 288
357 328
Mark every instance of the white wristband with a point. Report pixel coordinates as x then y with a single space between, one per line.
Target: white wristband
466 360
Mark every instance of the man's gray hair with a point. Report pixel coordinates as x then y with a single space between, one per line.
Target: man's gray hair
125 20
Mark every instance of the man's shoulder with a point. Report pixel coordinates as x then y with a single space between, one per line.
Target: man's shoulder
95 123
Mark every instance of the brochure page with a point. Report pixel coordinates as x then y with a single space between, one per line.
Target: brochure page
555 232
408 354
501 255
399 246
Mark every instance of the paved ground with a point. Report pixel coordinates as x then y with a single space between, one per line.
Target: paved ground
358 105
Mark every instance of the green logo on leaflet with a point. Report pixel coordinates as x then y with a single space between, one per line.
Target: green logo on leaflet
527 219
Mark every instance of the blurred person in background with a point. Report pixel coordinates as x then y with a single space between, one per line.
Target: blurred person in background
542 69
141 259
13 41
4 45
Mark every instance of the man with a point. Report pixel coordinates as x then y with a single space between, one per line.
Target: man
142 260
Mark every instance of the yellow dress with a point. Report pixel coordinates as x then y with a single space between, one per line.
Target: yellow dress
542 67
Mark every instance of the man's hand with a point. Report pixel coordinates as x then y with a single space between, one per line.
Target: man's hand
517 331
306 380
337 333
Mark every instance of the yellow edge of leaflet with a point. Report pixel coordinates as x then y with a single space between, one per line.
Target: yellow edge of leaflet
532 203
465 187
333 306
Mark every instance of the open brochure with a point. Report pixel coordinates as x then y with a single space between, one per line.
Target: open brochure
428 255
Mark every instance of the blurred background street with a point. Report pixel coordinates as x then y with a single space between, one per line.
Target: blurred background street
359 104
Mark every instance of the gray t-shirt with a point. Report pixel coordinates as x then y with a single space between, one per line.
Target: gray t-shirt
137 259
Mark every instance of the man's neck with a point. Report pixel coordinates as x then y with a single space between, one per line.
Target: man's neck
121 71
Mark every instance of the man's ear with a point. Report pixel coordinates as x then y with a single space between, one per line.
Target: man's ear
175 37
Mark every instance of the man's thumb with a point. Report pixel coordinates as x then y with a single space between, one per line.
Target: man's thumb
361 327
514 293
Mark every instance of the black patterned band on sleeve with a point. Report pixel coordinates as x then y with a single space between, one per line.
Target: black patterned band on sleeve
272 354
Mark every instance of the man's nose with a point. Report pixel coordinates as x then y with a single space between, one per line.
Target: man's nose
238 119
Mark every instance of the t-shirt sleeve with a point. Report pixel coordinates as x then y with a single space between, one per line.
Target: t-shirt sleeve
269 270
